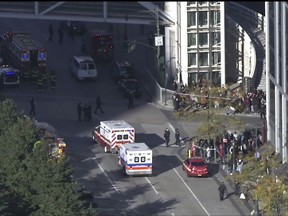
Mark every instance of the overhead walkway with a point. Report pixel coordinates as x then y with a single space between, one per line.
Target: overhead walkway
109 12
253 24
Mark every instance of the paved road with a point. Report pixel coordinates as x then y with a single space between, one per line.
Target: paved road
168 191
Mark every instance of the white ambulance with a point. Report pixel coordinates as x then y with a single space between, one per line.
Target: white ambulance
110 134
135 159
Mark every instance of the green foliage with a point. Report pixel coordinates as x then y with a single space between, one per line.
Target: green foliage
31 182
8 114
216 125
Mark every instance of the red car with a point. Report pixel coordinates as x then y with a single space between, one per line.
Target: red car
195 166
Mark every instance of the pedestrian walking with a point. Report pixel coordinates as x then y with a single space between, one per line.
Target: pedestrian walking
222 189
51 32
98 105
131 100
177 136
167 136
89 112
79 111
32 107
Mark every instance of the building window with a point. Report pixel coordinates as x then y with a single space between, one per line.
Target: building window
203 18
191 59
216 57
203 39
191 3
192 37
192 77
215 18
191 19
203 59
202 3
215 38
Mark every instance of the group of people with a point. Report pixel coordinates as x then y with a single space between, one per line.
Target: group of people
86 109
235 100
60 31
167 136
45 79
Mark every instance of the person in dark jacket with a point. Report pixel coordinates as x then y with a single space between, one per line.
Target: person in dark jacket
177 136
131 100
79 111
32 107
98 105
222 189
89 112
51 32
85 111
167 136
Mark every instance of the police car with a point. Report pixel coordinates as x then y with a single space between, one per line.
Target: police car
9 76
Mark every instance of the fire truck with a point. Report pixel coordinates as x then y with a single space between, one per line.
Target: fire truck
111 134
22 52
99 45
57 146
135 159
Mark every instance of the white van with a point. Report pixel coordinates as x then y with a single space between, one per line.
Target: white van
83 67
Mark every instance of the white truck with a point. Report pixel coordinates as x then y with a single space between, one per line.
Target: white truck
135 159
111 134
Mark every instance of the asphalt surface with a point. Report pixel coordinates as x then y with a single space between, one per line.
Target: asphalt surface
168 191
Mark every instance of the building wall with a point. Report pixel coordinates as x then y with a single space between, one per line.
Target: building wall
198 38
276 67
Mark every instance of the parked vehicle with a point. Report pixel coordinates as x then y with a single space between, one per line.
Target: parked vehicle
111 134
99 45
9 76
128 86
123 70
195 166
83 67
77 28
135 159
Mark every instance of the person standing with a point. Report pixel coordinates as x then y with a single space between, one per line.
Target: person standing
32 107
177 136
167 136
85 111
222 189
89 112
98 105
52 79
51 32
130 100
79 111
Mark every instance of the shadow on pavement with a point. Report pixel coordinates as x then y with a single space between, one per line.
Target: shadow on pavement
163 163
213 168
152 140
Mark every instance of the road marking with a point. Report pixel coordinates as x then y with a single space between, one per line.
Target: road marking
191 192
152 185
87 159
107 176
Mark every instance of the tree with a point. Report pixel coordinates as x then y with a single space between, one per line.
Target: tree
8 114
41 184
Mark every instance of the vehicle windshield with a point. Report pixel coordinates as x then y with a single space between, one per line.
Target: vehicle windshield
198 164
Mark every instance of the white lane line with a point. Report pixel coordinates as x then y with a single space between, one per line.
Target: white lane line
191 192
152 185
172 214
107 176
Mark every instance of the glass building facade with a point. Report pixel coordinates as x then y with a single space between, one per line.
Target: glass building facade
276 75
